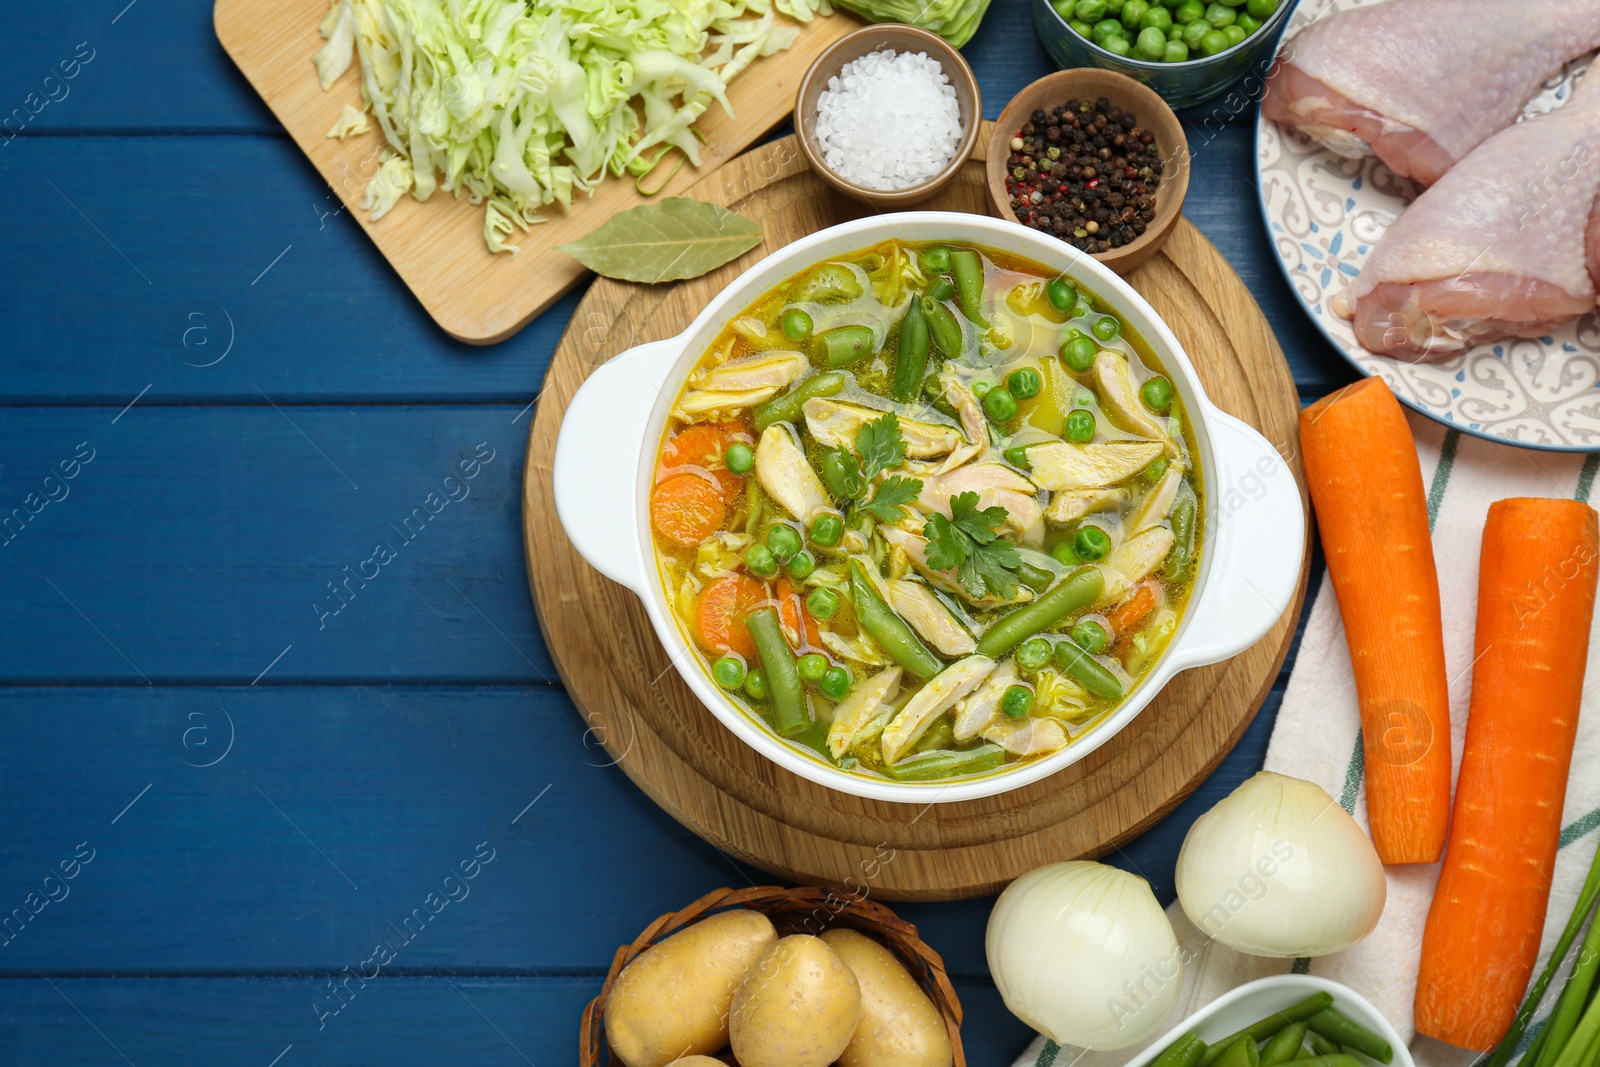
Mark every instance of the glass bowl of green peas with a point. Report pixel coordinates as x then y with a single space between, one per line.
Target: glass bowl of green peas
1189 51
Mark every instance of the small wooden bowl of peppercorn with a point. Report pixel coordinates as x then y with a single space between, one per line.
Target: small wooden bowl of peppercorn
1114 186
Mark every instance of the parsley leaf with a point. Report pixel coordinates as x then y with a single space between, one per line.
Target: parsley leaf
969 544
887 504
881 446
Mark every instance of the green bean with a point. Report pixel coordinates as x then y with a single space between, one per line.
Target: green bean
1262 1029
831 281
1284 1044
789 406
1334 1026
1241 1052
783 678
841 473
941 288
1337 1059
1073 592
1184 1052
911 359
943 328
1321 1046
1036 578
1303 1053
843 345
888 629
946 764
968 269
1090 674
1183 515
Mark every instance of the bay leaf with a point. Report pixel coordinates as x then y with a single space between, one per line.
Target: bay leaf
668 241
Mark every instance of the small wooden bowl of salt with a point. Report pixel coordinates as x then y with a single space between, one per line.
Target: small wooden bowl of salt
888 114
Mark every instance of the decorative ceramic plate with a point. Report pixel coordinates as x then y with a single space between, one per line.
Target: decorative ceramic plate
1324 214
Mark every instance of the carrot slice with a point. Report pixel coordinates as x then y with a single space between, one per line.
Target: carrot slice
720 611
1536 593
687 508
794 616
1128 614
704 445
1366 483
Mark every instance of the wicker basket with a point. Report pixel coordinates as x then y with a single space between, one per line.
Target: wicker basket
806 910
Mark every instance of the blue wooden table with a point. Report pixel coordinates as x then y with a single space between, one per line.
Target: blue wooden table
223 787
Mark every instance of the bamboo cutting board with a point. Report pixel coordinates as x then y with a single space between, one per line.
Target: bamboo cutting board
653 727
437 247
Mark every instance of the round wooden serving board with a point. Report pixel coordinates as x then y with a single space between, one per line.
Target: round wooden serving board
675 750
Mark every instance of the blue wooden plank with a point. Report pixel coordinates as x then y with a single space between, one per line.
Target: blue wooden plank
147 284
397 1022
202 543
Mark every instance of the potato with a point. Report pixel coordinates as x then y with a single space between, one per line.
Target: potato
899 1025
697 1061
797 1007
673 1001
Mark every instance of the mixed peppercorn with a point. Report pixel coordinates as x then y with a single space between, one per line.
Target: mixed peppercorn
1086 173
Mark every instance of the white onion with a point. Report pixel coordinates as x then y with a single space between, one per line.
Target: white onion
1082 953
1278 869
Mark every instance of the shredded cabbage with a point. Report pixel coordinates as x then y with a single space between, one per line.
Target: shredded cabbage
517 104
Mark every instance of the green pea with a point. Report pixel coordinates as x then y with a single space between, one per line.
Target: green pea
1079 353
801 565
1016 701
761 561
1106 327
1156 469
1090 636
1062 296
1064 555
1081 28
1220 15
739 458
1119 46
1107 29
836 682
1157 18
1067 9
796 324
1157 395
823 603
755 684
1091 543
1177 52
1248 23
1152 43
1017 456
728 672
1190 11
1235 34
826 530
1080 426
1033 653
1175 33
1114 7
1132 12
1195 31
1000 405
1215 42
1261 9
1024 383
936 260
812 667
783 541
1091 10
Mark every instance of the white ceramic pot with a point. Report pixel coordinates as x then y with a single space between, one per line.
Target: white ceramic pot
605 458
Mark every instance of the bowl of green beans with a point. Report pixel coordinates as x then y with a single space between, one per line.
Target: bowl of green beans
1287 1020
1189 51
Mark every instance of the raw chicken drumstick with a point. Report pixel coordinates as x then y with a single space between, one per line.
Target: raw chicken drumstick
1500 247
1420 83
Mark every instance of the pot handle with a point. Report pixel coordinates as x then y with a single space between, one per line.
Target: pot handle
1257 542
596 467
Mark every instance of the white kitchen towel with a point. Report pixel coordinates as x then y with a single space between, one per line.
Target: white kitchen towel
1317 737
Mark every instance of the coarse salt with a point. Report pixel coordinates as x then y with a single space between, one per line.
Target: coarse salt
888 121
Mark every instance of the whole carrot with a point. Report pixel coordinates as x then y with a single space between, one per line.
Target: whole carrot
1366 483
1536 590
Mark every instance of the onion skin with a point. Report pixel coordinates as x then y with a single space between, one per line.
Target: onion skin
1084 954
1278 869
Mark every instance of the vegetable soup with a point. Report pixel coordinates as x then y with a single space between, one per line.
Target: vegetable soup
927 511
